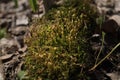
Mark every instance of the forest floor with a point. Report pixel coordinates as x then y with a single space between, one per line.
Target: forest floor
15 26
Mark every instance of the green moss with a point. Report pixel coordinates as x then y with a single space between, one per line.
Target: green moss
58 49
2 33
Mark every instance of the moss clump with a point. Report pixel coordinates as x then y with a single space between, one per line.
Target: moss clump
57 47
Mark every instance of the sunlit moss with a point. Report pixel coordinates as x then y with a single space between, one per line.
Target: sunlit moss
58 47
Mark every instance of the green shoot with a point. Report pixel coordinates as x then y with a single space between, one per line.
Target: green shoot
33 4
96 65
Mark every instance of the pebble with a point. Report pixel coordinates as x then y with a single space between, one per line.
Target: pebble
114 75
4 42
2 76
22 21
115 18
105 6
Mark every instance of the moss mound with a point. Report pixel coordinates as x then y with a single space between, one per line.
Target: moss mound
58 48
